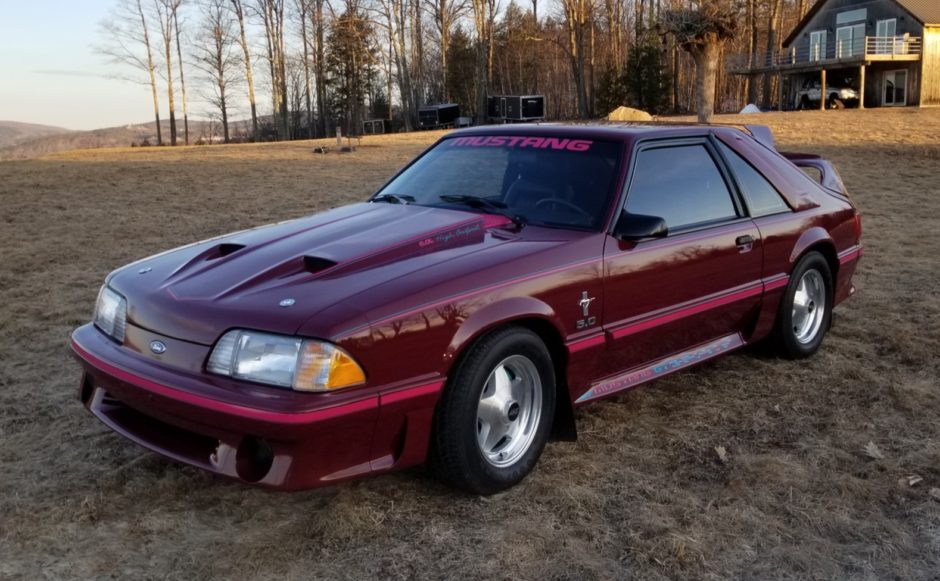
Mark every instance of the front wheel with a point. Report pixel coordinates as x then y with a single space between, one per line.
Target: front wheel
496 412
806 308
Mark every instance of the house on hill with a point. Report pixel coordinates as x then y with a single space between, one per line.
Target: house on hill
887 50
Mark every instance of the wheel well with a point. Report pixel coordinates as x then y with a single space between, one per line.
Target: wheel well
563 424
829 253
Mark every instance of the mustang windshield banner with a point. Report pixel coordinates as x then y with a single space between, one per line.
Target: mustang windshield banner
521 142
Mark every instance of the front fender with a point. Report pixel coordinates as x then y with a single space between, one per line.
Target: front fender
498 313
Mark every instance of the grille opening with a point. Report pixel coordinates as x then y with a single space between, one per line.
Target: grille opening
315 264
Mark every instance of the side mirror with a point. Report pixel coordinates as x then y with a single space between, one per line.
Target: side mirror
639 226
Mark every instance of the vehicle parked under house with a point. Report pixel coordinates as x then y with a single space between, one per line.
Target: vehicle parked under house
887 50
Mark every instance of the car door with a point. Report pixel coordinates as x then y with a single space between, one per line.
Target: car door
699 283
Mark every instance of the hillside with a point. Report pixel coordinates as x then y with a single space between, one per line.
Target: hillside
13 132
40 144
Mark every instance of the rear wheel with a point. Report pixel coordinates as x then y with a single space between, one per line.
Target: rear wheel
806 308
496 412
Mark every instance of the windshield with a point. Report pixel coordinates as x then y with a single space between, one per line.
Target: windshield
544 181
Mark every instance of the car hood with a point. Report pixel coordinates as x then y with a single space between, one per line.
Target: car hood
278 277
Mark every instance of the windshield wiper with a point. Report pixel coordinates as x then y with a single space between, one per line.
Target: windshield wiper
394 199
487 205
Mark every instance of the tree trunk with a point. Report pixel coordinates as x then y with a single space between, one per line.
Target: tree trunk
167 44
239 10
306 42
179 54
771 48
752 50
319 68
706 68
151 71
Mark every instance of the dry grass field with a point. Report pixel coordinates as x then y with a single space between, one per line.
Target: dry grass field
642 494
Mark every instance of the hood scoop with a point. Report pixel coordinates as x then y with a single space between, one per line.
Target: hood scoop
315 264
225 249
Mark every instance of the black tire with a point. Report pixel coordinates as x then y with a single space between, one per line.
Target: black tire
790 343
457 455
835 102
804 103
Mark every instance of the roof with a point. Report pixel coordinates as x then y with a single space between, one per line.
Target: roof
925 11
616 131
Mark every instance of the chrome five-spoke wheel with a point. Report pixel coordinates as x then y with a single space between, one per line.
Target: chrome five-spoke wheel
509 411
805 308
496 411
809 306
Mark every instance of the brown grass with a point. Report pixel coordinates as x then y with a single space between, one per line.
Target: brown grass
642 494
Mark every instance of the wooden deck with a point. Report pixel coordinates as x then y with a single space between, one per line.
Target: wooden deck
816 58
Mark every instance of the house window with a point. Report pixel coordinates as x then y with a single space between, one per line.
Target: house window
850 40
851 16
817 45
885 31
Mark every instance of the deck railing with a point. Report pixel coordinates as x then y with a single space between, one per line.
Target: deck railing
867 48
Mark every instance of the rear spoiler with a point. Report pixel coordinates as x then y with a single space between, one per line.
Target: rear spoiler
829 178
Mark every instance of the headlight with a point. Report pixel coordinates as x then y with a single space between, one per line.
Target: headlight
300 364
111 314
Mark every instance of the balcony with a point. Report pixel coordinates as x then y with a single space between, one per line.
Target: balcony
818 56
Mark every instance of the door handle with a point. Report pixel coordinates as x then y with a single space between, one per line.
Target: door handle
744 243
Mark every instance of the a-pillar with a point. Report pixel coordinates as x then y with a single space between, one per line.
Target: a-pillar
822 90
861 87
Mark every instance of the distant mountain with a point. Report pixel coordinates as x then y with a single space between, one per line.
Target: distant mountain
13 132
123 136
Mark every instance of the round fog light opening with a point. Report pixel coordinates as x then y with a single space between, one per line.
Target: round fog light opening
253 459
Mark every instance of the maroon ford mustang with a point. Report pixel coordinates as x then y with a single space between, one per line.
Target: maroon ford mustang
503 278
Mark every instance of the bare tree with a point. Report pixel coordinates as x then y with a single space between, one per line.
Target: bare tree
238 8
303 10
702 31
271 13
445 14
164 10
319 64
578 16
217 56
772 24
127 42
179 60
395 16
484 16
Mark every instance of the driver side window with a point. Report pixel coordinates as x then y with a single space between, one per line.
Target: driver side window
680 184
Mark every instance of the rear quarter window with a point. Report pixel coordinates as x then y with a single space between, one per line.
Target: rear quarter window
761 196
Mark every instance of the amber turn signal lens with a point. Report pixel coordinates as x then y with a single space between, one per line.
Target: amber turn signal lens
325 367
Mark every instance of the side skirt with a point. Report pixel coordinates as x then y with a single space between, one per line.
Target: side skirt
662 367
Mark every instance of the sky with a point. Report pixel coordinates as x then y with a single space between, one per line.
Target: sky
50 73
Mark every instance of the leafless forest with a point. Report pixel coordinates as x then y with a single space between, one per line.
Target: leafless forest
302 68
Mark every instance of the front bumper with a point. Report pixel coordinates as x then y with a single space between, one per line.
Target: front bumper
273 437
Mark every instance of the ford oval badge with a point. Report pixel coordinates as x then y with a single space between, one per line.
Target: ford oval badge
158 347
